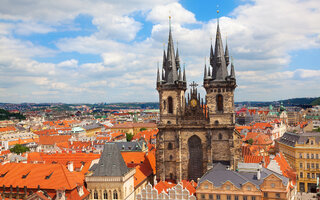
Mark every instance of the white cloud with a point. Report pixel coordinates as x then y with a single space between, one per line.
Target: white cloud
261 35
160 14
68 63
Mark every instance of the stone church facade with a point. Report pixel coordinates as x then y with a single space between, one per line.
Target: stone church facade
195 133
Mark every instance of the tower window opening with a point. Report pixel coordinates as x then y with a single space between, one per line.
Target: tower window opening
219 102
170 105
164 105
220 136
170 146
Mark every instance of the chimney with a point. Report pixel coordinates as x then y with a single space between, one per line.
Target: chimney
70 166
259 174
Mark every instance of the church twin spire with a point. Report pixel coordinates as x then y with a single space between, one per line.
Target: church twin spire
219 61
171 70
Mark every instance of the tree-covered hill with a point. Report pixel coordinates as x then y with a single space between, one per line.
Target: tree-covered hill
5 115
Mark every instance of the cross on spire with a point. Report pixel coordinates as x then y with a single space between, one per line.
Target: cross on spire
193 85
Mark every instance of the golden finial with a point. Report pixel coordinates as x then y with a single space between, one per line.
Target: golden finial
218 13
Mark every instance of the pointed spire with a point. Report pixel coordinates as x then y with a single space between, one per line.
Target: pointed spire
158 74
180 75
171 60
164 58
232 73
177 58
226 54
205 72
219 71
184 74
163 75
211 55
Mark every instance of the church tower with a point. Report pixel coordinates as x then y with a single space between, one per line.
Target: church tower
193 133
171 85
220 85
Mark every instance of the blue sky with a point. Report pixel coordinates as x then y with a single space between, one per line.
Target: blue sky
107 51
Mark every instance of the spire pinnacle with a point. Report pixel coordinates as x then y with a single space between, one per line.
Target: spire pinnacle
184 73
180 75
158 74
226 54
205 72
232 73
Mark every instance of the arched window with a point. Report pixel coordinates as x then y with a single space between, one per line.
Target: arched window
95 195
219 102
220 136
115 194
170 146
170 105
171 157
105 195
164 105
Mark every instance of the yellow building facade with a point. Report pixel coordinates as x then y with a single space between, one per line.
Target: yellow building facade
302 152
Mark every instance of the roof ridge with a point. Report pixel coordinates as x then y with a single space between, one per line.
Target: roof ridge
64 172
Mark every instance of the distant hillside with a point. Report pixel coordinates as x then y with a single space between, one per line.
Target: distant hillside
316 102
5 115
303 102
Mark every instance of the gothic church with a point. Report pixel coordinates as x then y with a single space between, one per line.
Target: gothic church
194 134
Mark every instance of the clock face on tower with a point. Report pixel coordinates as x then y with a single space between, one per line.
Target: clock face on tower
193 103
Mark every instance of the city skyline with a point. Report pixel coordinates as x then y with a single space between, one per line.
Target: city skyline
89 52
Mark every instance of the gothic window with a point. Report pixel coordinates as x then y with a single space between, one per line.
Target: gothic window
170 146
115 194
95 195
220 136
170 105
171 157
164 104
195 168
105 195
219 102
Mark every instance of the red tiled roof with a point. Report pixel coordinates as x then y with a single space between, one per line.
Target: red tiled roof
257 159
146 134
261 125
51 140
49 176
164 186
8 128
78 159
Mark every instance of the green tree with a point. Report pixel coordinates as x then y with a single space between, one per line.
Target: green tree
18 149
143 129
316 130
129 136
250 141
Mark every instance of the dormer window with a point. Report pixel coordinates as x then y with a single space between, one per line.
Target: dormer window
25 176
47 177
2 175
